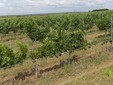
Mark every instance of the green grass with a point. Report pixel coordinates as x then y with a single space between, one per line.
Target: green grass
109 72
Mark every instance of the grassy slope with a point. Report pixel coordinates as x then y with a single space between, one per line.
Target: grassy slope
68 74
97 77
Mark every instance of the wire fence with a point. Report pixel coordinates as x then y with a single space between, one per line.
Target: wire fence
10 66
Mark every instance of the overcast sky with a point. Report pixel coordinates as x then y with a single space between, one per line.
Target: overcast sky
12 7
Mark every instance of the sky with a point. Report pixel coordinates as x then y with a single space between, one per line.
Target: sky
17 7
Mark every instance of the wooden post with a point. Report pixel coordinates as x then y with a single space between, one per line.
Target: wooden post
69 56
111 36
13 82
36 69
91 52
38 73
106 39
32 46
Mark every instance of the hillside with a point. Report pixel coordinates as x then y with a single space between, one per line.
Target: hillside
92 62
56 49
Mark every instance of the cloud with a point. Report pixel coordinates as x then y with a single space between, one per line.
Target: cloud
50 6
2 5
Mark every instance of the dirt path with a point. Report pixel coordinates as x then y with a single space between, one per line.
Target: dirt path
100 67
92 36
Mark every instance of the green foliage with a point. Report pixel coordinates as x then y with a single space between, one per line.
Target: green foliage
57 33
109 72
100 10
104 23
13 24
59 41
21 54
72 21
36 33
6 56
